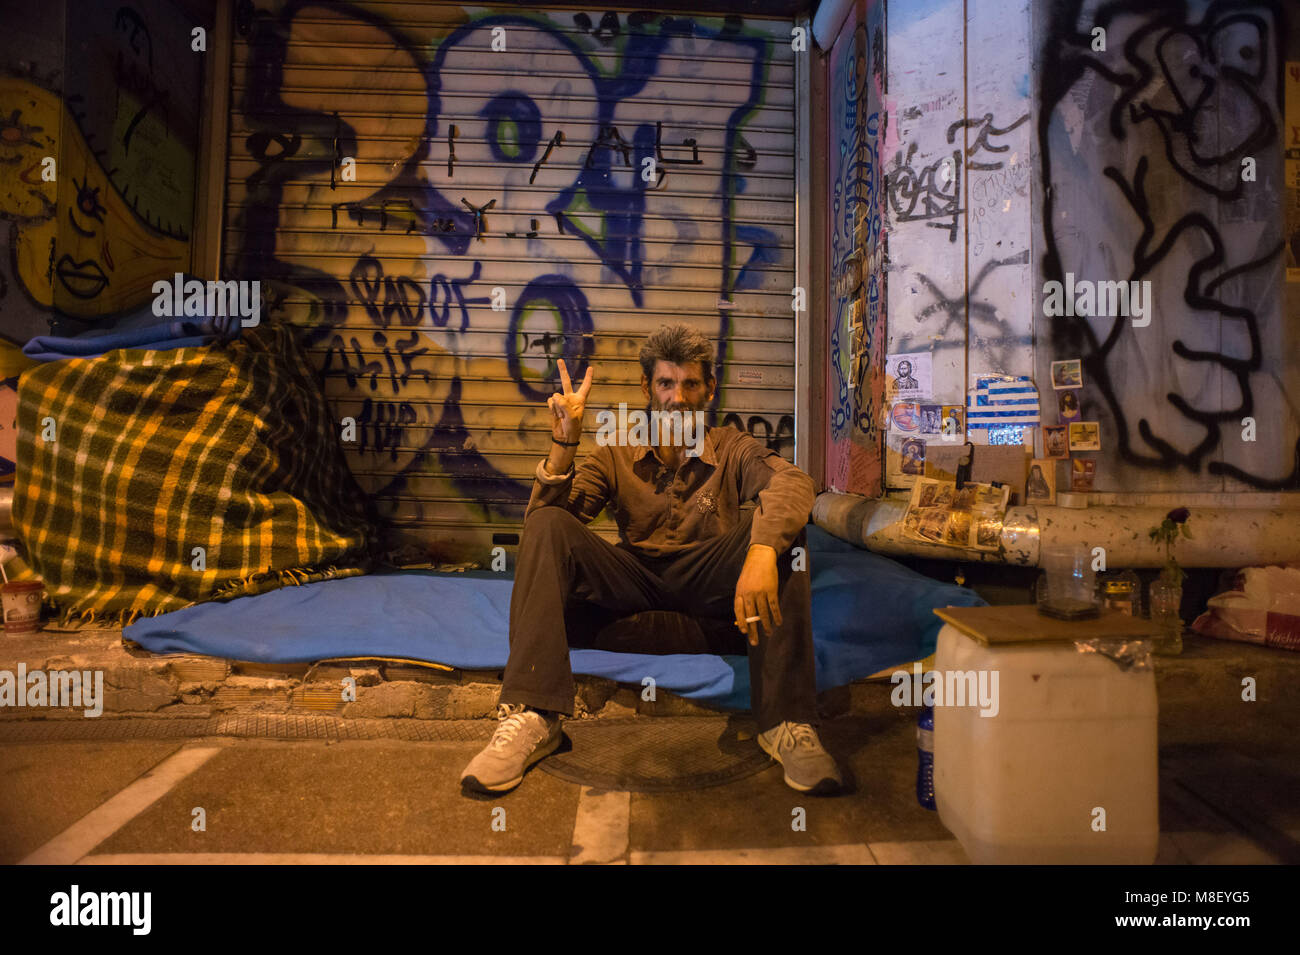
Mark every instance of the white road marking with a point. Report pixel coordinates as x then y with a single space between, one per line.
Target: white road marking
93 828
600 830
921 852
1220 848
307 858
856 854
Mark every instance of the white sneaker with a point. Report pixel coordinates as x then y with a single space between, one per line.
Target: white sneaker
522 737
808 767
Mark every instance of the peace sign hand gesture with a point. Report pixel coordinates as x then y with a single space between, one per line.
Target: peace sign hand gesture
568 406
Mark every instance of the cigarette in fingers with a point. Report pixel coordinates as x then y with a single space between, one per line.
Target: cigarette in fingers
753 619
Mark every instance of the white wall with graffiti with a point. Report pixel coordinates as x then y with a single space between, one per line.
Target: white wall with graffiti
1113 148
606 171
1160 128
958 161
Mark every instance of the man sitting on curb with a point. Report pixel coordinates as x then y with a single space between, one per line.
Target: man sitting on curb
685 544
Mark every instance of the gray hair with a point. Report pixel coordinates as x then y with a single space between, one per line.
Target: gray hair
677 344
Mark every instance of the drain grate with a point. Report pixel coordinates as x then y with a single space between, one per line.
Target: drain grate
665 754
248 726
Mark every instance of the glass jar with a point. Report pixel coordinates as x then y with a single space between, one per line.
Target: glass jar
1122 591
1165 598
1068 587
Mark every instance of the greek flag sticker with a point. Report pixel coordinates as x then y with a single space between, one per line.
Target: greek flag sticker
1001 400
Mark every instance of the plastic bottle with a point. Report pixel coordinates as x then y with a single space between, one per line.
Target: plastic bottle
925 758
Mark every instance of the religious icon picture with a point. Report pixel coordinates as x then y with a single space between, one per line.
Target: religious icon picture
958 530
931 416
1067 403
909 375
1056 441
906 416
904 377
1067 374
1082 473
1085 436
952 418
913 456
988 530
1041 486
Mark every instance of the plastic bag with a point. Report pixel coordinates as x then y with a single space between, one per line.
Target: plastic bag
1264 608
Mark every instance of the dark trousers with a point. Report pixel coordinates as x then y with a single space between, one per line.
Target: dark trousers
562 562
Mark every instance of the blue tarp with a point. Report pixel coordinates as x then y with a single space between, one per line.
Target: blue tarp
141 329
869 613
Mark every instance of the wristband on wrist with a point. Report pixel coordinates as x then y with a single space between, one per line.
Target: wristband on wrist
546 477
564 444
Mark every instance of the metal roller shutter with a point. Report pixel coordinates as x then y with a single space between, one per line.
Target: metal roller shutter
521 170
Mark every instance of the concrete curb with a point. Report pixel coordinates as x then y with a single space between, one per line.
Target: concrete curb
140 684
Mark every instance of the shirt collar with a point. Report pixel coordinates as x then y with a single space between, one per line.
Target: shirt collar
708 450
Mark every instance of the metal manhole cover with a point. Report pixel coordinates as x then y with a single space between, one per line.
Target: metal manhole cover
657 754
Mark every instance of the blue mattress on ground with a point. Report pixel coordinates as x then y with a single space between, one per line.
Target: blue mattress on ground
869 613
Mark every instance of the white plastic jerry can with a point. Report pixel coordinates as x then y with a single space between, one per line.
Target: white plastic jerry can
1063 770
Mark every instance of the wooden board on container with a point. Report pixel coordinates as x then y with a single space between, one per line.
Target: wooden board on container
1022 623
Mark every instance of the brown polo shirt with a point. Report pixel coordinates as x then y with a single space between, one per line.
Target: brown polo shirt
661 513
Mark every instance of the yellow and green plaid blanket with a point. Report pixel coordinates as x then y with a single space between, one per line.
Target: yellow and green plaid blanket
148 481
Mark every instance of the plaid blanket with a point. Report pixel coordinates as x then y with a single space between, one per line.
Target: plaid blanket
130 463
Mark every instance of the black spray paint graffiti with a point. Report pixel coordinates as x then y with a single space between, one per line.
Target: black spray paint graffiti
136 79
778 438
404 211
382 426
555 141
981 142
388 298
1209 89
1198 294
355 367
987 330
934 191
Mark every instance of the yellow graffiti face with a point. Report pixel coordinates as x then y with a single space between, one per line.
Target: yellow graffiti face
105 259
29 118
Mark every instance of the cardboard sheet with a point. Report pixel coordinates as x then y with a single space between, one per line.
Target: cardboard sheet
1022 623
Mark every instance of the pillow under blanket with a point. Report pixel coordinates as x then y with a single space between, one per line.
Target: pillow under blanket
130 462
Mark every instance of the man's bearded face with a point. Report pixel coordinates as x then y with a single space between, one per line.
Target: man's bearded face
679 387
